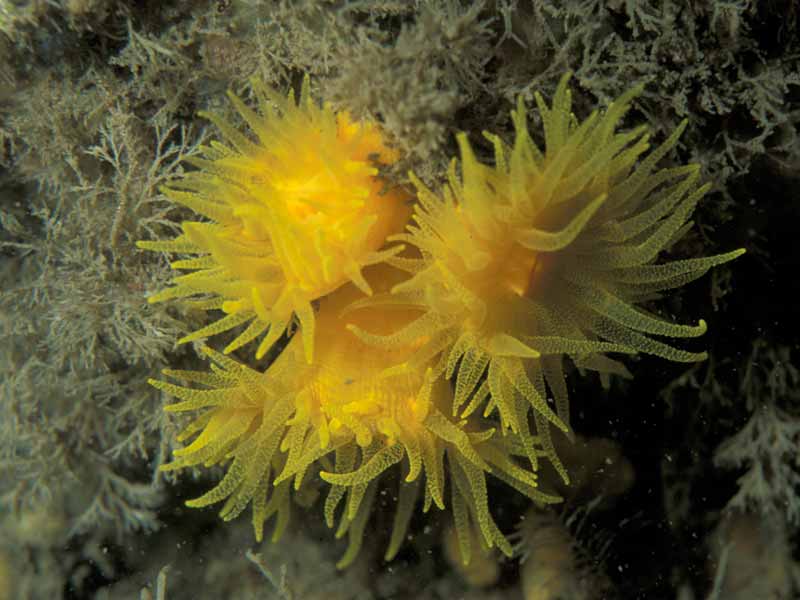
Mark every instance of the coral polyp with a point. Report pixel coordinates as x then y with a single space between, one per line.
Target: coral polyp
545 255
292 214
347 419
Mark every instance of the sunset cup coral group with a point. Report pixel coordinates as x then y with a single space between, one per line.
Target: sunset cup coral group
430 354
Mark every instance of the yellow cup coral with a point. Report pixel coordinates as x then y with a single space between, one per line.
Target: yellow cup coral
294 214
369 410
545 255
513 267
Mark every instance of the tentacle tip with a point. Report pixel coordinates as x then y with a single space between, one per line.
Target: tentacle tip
561 425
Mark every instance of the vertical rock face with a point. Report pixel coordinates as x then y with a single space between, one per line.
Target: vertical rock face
99 104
